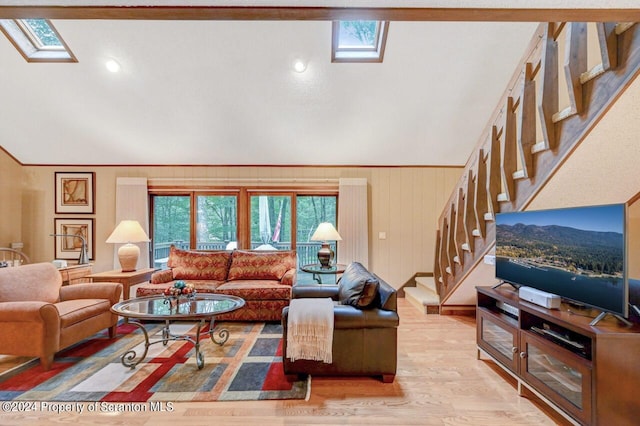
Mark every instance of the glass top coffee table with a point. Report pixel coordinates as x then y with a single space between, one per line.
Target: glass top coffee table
200 307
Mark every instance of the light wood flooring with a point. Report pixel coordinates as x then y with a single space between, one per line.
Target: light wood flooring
439 382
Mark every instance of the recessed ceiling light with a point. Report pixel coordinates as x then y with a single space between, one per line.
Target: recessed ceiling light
299 66
112 65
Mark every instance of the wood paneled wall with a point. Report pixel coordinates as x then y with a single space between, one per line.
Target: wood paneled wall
11 179
404 203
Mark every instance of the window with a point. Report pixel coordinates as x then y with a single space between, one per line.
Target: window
216 222
271 222
171 223
359 41
243 218
37 40
312 210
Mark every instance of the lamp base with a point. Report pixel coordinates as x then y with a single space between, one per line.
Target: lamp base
325 256
128 255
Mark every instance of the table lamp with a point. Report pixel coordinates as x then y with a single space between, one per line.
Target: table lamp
128 232
325 232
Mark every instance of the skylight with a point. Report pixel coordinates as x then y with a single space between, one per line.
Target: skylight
37 40
359 41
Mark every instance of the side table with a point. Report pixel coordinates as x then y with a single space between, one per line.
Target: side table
75 274
317 270
127 279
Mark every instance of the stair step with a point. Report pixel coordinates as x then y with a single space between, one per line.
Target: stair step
426 301
488 217
561 115
538 147
476 233
466 247
519 174
427 283
456 259
503 197
592 73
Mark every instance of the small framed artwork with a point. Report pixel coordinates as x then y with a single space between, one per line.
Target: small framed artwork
75 192
69 236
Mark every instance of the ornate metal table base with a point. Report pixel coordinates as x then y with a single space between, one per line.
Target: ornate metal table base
130 358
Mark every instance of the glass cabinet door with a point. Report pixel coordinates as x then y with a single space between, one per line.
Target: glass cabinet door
498 339
560 374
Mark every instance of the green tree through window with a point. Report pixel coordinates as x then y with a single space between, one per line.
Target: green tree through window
270 222
216 221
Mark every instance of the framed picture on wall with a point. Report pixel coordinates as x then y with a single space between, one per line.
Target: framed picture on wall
75 192
69 236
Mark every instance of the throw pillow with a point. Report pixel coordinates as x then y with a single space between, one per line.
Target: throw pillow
357 286
195 265
257 265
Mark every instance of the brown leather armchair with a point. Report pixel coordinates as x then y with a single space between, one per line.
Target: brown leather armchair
39 317
364 339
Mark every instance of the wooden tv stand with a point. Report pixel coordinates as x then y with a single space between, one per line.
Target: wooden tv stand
589 374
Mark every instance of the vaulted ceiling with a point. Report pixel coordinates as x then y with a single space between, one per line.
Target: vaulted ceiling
224 92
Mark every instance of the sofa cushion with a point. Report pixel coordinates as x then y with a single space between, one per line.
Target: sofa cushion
357 286
255 265
39 282
256 290
195 265
75 311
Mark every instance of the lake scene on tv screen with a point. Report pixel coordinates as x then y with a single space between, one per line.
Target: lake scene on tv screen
576 253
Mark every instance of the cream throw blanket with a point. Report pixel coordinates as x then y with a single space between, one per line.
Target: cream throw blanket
310 329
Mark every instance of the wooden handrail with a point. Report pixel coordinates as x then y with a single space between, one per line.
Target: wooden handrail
490 182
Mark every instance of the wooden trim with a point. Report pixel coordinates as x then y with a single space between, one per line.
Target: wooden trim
527 128
8 154
437 272
633 199
278 13
244 223
283 166
508 161
494 175
548 93
451 239
469 210
168 189
481 196
575 63
466 310
460 234
608 39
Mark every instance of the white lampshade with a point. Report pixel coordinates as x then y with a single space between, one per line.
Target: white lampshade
128 231
326 232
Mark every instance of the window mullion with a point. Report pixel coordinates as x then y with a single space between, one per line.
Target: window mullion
192 235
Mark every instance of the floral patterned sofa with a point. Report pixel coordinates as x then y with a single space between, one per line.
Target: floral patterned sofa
262 278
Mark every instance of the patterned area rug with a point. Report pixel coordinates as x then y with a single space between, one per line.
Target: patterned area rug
247 367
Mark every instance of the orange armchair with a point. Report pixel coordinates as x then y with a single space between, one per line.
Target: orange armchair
39 317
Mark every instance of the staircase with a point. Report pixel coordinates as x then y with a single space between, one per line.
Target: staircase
424 295
555 98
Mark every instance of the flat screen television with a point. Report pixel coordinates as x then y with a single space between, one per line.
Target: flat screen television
579 254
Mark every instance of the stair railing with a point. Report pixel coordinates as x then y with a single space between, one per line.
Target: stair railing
528 136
